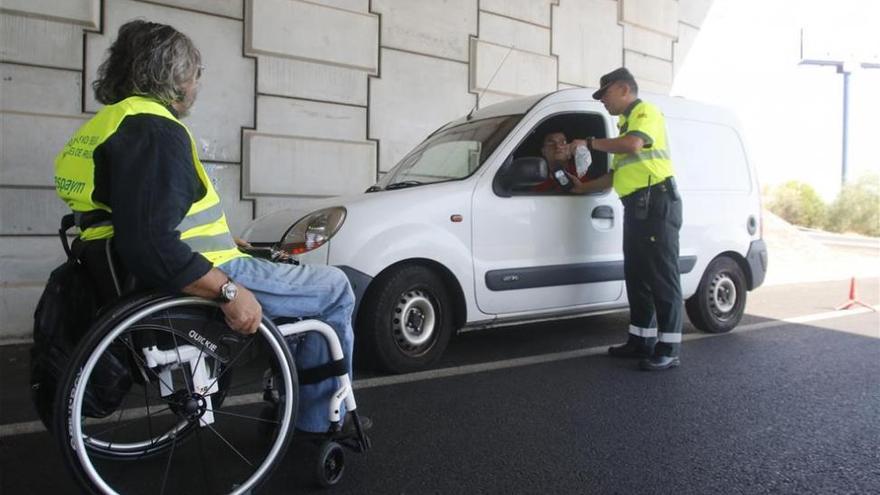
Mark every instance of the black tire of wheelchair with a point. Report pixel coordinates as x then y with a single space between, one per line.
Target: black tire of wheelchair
105 323
329 464
699 307
375 340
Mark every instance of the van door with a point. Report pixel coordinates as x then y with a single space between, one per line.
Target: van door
553 253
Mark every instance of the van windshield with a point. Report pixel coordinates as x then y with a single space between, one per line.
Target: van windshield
450 154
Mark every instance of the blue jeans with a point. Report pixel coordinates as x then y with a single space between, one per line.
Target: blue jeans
313 291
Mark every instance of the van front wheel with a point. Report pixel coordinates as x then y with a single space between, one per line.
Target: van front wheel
405 323
720 300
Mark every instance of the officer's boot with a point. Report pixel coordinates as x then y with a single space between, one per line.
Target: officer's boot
635 347
664 357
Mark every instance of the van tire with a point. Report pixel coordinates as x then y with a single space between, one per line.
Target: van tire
405 321
720 300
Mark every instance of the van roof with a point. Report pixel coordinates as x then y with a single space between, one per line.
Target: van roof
672 106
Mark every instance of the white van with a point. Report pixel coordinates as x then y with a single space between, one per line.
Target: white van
455 237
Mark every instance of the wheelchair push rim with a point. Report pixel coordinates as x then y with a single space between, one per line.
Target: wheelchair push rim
190 407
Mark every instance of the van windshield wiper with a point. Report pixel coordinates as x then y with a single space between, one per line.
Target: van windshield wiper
373 188
402 184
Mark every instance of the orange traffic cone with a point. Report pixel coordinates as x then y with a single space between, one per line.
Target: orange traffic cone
853 301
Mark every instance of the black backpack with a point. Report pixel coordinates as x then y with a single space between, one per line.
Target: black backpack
66 310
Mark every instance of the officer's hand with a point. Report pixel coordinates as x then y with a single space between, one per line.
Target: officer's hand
243 314
242 243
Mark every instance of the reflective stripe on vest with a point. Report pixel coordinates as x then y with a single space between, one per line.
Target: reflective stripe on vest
204 227
633 171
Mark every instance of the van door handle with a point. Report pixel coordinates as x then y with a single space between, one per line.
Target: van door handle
603 212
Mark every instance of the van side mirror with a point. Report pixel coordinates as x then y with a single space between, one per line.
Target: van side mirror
519 173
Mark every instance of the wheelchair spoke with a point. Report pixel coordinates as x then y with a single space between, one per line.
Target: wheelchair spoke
168 464
229 366
144 364
186 379
243 416
230 445
117 426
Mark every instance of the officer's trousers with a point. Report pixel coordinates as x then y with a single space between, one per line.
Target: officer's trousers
650 265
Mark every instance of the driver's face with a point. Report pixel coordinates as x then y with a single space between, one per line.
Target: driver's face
556 147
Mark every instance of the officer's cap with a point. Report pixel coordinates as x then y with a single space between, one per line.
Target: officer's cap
621 74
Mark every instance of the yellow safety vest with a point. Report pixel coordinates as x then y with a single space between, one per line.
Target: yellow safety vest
204 227
652 163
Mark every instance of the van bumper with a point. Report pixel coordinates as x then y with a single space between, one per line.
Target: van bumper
359 282
757 260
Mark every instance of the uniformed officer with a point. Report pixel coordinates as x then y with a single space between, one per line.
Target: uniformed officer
641 173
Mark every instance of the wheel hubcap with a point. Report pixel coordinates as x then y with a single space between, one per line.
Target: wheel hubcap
414 319
722 294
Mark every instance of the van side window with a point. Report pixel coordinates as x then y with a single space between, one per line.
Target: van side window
557 129
715 158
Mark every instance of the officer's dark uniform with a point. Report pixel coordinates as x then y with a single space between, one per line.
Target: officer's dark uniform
651 222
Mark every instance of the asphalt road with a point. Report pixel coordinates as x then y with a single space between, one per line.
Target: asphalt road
789 402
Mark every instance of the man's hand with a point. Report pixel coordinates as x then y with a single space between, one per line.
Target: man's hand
243 314
242 243
577 187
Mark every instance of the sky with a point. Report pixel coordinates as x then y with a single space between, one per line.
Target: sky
747 58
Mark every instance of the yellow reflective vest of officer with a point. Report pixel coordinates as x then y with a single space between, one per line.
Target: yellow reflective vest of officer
652 164
203 228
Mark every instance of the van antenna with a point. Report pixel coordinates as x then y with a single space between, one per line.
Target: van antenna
500 65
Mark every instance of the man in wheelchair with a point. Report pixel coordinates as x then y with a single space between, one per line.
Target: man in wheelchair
132 173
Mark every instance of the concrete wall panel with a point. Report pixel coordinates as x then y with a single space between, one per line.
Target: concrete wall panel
227 181
647 42
228 8
285 165
693 12
362 6
30 211
17 305
226 95
588 40
657 15
523 73
31 40
687 35
39 90
310 119
301 79
306 31
25 264
30 143
534 11
652 74
510 32
446 34
86 13
414 96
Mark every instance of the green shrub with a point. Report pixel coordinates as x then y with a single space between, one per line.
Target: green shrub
797 203
857 207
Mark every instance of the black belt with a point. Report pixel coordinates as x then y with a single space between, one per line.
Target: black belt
667 185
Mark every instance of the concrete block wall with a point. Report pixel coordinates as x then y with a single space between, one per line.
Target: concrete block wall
300 98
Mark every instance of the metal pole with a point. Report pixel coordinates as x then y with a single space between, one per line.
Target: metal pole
846 74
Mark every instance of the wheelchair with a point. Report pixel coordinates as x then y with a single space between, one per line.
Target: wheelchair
160 396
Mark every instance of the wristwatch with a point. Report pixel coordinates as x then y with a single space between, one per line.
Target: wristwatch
228 291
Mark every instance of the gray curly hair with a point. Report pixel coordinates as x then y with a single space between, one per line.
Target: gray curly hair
147 59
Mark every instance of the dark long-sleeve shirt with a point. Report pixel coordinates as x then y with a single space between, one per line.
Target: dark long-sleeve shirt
145 173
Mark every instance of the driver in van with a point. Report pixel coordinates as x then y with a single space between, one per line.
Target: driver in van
558 153
133 173
642 175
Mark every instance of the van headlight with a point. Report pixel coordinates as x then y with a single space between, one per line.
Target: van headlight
313 230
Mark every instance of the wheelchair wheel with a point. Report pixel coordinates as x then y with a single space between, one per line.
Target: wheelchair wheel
330 464
187 415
